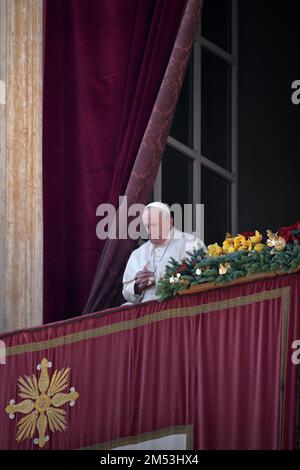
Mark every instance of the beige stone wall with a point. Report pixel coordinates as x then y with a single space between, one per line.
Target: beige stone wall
21 275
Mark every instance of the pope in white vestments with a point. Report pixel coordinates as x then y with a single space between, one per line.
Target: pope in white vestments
146 264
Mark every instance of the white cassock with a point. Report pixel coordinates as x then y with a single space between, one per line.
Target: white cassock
155 259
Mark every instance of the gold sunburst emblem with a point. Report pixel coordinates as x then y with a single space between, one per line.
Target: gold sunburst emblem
42 399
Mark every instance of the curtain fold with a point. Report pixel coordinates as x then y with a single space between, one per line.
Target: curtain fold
107 284
104 64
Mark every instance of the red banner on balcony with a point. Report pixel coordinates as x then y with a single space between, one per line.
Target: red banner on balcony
211 370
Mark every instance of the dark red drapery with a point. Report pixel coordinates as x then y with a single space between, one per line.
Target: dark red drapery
107 284
104 63
216 366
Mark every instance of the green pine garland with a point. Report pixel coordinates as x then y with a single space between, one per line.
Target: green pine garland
199 268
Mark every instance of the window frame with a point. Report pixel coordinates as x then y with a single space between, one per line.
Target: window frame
194 153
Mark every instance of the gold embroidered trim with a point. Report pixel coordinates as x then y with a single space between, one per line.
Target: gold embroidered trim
146 320
131 440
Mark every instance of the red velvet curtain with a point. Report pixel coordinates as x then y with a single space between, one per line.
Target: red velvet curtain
107 284
104 64
216 365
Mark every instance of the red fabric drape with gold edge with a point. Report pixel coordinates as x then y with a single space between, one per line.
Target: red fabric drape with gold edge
107 284
213 369
104 64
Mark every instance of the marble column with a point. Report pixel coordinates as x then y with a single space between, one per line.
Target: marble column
21 236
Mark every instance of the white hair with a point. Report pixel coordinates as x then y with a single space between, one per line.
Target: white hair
160 206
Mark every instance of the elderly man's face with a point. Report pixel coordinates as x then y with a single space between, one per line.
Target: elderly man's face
158 225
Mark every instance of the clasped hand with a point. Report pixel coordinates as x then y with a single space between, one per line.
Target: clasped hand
143 280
